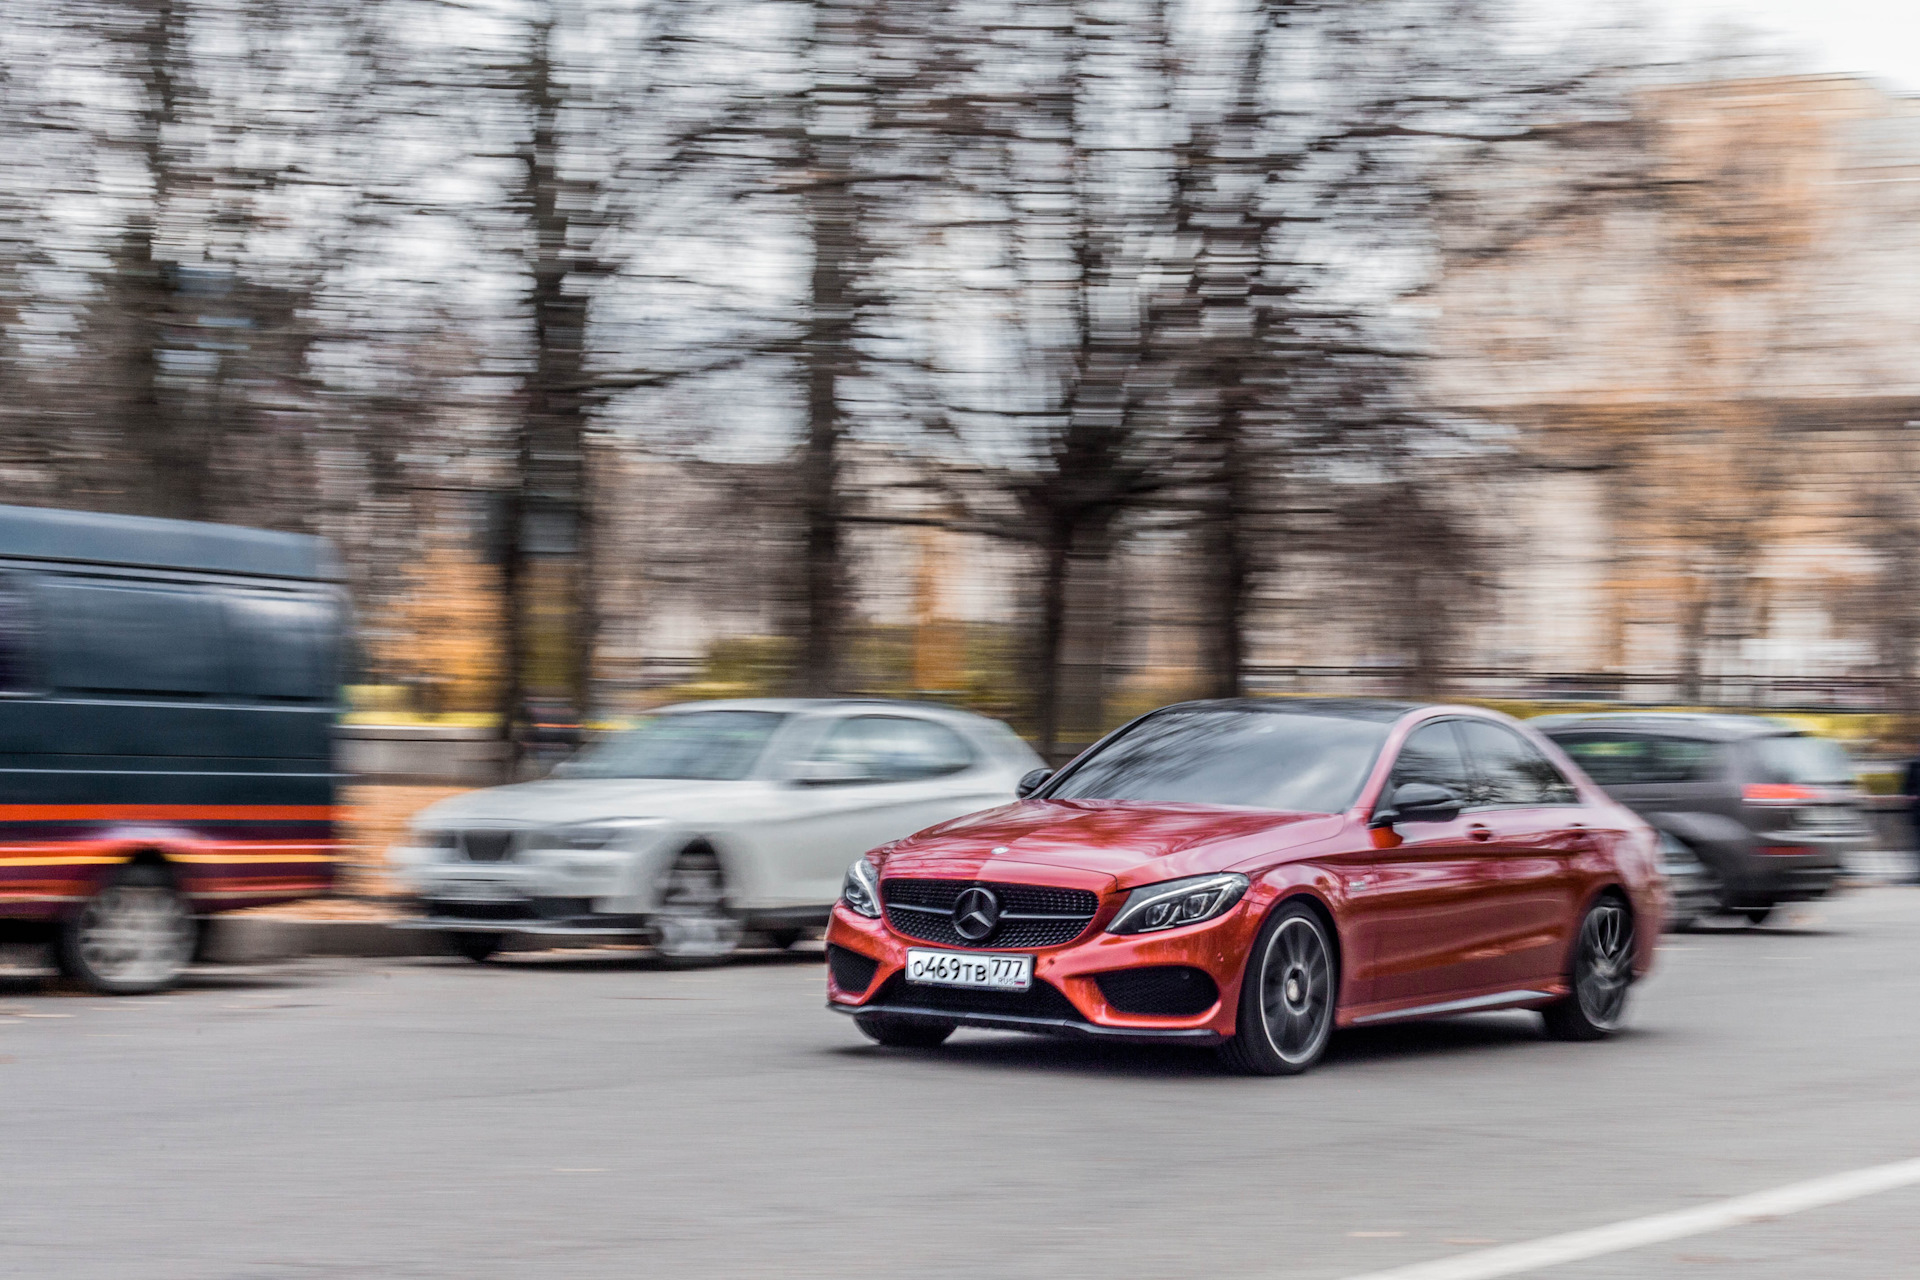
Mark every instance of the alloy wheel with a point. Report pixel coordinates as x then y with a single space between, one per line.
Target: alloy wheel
1296 994
1603 967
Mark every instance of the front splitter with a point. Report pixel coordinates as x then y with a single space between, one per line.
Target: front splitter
1064 1028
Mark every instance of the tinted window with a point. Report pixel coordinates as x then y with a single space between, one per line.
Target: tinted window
1432 754
280 646
716 745
17 674
1800 759
1253 759
1623 759
134 639
1510 770
895 748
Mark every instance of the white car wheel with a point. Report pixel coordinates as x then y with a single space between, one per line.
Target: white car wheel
692 924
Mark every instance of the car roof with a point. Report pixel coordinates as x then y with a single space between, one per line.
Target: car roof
148 542
1379 710
1710 725
801 706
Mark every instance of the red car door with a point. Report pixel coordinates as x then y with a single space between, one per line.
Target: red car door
1419 910
1537 837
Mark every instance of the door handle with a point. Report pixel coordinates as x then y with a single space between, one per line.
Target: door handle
1478 832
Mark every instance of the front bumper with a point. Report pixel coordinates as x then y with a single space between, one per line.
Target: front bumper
1068 1002
1768 878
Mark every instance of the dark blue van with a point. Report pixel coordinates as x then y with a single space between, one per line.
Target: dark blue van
167 697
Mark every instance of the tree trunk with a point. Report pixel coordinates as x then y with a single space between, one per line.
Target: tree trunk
549 641
833 226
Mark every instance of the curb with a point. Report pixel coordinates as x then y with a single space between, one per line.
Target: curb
254 939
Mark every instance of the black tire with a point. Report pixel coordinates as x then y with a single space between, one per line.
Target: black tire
477 947
136 935
1757 915
1288 997
1600 975
692 925
902 1033
783 939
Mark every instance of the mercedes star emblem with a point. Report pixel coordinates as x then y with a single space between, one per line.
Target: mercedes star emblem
976 914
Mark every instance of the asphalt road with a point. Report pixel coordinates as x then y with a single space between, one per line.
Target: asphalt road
551 1117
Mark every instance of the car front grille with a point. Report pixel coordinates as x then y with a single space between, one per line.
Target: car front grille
1165 990
487 845
1030 915
1041 1000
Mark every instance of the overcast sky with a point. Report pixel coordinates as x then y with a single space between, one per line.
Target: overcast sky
1876 38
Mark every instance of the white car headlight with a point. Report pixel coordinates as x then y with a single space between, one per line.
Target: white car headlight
587 836
1172 903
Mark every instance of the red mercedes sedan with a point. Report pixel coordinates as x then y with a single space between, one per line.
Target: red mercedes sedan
1254 874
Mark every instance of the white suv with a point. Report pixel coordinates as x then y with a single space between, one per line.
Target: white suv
702 822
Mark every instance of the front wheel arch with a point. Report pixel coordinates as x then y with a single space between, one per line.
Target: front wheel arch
1314 903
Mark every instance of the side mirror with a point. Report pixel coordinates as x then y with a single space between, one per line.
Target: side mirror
1419 802
1030 782
826 773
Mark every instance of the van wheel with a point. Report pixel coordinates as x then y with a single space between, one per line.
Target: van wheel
692 925
1757 915
134 936
477 947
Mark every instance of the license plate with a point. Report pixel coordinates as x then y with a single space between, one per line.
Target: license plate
959 969
474 891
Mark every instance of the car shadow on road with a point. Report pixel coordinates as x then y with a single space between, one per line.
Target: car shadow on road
1477 1033
1718 929
1480 1033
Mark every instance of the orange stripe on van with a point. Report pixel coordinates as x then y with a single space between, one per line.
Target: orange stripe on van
167 812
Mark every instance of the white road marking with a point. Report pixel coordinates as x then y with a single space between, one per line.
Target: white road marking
1514 1259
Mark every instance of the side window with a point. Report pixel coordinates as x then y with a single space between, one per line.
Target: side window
133 639
19 673
1611 760
895 748
1509 770
281 645
1432 754
1627 759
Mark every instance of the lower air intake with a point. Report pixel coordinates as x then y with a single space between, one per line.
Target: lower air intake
852 972
1165 990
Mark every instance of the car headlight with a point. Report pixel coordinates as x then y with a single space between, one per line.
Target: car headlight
861 890
584 836
419 839
1172 903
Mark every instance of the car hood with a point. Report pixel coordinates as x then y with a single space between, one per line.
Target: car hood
561 800
1130 841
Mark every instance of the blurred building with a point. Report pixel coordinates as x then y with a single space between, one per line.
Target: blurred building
1699 328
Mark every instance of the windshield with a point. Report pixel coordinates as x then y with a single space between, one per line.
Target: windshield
1250 759
1804 760
718 746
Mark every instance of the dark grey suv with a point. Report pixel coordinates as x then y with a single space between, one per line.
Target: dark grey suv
1768 810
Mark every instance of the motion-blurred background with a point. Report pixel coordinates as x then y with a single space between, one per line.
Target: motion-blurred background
1055 359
